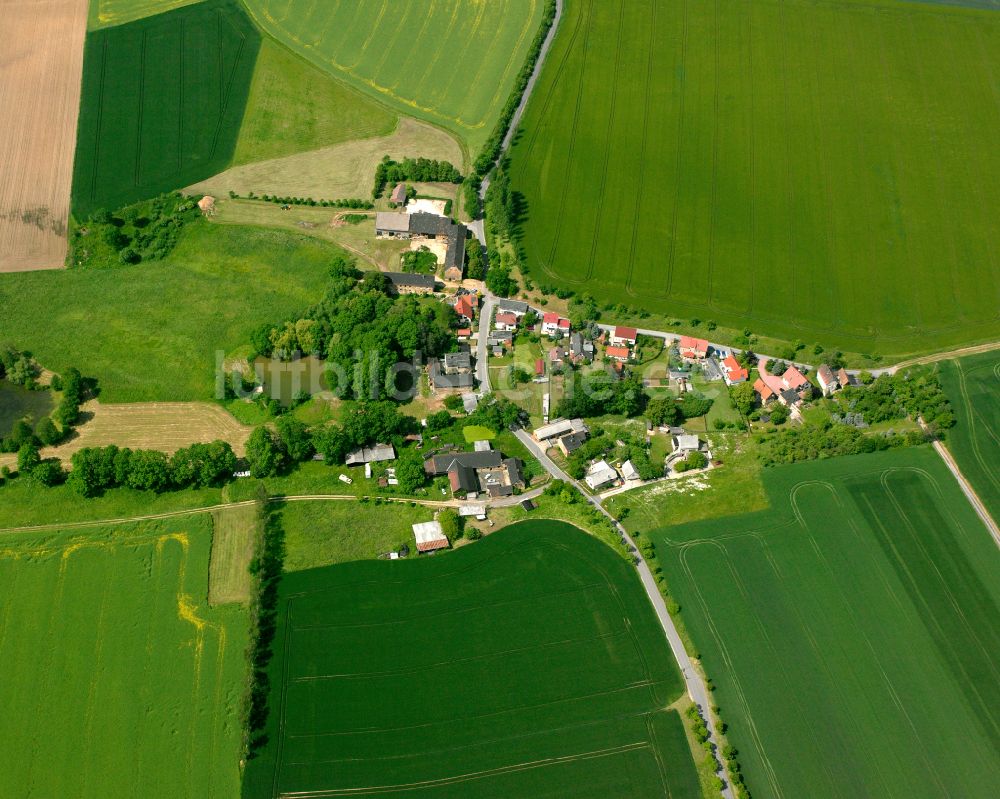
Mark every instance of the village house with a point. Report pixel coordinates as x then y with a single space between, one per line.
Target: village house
827 380
600 474
465 306
580 349
693 349
732 372
685 443
398 196
791 389
516 307
452 371
571 442
500 338
505 321
411 283
629 472
471 472
623 337
620 354
560 427
555 325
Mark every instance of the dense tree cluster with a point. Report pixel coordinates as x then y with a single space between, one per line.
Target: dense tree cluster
361 316
475 262
498 278
498 413
18 367
424 170
813 441
363 424
144 231
896 396
500 203
598 393
96 469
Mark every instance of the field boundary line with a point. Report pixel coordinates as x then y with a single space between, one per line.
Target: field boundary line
678 163
969 491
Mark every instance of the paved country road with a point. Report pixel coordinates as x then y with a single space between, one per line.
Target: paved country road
696 687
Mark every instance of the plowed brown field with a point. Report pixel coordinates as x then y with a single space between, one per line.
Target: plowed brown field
41 62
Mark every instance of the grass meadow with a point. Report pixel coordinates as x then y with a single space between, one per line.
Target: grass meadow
151 331
852 630
162 102
294 107
528 664
116 678
810 170
449 62
973 386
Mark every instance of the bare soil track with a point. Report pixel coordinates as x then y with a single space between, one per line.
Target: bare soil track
41 63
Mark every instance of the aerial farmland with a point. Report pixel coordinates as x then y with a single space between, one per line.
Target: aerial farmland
39 86
500 398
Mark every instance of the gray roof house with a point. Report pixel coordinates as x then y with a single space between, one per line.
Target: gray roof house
378 453
408 283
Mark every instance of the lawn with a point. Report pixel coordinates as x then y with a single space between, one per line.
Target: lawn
24 503
973 386
162 102
322 533
852 631
17 402
449 62
153 331
527 664
669 162
116 677
294 107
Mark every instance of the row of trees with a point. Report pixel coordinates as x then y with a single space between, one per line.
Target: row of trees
424 170
96 469
810 442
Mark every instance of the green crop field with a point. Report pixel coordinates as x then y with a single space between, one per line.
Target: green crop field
852 631
295 107
973 386
162 102
824 171
527 664
450 62
152 331
105 13
116 678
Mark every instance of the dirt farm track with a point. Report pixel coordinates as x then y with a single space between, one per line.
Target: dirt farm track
41 62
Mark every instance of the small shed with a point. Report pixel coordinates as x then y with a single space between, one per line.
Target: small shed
429 536
398 194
